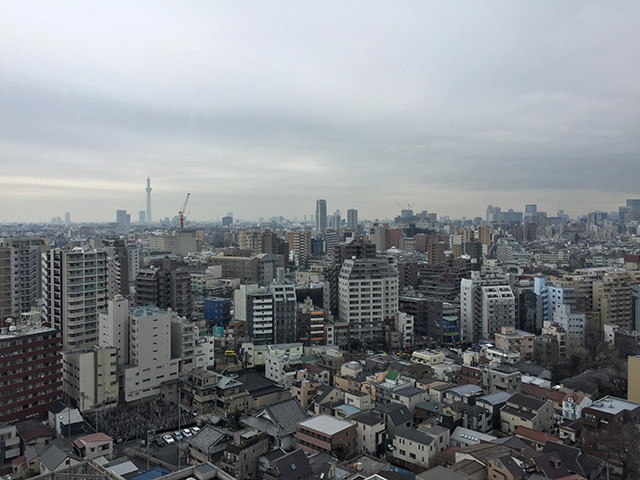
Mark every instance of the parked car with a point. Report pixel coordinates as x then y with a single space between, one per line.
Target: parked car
195 430
177 435
168 439
187 433
158 442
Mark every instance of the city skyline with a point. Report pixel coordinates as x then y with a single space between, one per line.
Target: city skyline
261 111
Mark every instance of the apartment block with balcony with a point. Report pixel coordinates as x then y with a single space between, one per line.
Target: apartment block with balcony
75 290
30 371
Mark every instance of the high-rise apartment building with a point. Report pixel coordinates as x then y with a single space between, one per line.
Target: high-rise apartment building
486 305
352 219
165 287
30 371
367 295
20 274
75 290
270 312
250 240
613 297
300 247
321 216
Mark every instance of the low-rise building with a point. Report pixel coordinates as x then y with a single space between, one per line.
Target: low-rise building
370 432
240 458
522 410
427 357
327 435
9 442
94 445
413 446
513 340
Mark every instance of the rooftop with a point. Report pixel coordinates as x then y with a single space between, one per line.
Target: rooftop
613 405
147 311
325 424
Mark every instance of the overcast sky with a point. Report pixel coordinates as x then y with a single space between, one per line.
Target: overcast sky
262 107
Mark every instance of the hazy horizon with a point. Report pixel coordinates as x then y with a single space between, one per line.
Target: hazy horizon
261 108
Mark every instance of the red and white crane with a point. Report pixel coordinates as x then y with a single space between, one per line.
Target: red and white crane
182 210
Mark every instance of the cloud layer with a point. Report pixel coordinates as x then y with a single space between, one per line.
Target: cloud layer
262 107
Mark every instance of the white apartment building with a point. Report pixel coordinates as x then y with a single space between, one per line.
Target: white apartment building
498 309
90 377
151 362
572 322
486 305
367 294
113 326
75 290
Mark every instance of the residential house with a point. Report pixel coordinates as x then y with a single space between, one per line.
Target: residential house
279 421
240 458
371 432
94 445
522 410
207 445
413 446
395 415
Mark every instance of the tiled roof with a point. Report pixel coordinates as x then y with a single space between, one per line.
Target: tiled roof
535 435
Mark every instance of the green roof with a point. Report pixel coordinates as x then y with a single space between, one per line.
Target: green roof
392 375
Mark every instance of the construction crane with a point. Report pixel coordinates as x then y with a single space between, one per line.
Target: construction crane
182 210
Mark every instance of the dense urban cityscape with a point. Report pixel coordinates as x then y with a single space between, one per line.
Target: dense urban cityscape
419 346
319 240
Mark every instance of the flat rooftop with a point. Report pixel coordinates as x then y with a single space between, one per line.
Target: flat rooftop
325 424
613 405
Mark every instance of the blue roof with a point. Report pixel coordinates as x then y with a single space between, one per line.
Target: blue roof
152 474
348 409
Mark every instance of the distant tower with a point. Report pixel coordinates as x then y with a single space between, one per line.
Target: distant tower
148 200
321 216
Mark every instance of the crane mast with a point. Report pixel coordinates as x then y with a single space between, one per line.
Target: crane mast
182 210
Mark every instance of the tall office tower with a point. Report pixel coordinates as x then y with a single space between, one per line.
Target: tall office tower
142 217
367 295
123 220
21 275
486 305
530 212
149 220
30 371
166 287
321 216
75 289
352 219
67 218
300 247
